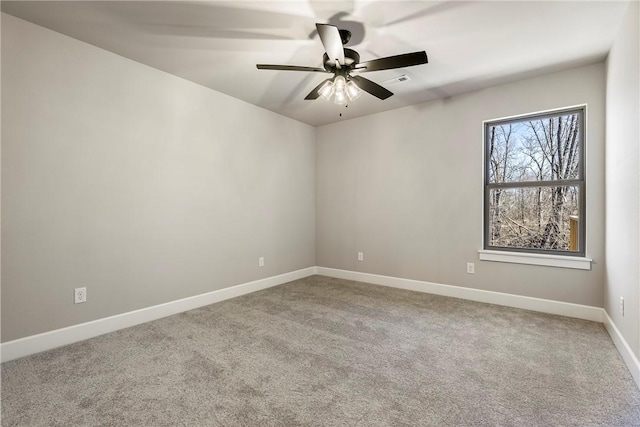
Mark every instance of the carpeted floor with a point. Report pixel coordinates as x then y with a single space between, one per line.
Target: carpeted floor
330 352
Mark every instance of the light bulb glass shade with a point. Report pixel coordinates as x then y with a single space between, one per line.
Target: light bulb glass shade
353 91
340 97
339 82
326 90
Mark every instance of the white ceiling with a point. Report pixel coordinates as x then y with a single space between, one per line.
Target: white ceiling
470 45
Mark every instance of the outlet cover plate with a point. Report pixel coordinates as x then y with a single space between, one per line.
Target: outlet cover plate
80 295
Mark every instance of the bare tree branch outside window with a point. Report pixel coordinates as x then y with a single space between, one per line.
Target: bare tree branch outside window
534 183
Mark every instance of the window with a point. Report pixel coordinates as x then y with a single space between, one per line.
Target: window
534 189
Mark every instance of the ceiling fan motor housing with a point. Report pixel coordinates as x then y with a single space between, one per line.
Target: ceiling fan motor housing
345 36
351 58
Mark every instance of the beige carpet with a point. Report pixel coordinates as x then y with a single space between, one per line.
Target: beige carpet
330 352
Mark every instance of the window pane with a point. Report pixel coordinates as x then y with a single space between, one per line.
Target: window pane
534 218
535 149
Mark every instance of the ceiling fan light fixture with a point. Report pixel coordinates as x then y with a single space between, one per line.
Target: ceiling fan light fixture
340 97
340 86
326 90
353 91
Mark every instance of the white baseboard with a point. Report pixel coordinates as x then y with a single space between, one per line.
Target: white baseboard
528 303
623 347
59 337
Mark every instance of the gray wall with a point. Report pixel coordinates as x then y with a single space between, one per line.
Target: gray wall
405 188
147 188
144 187
622 277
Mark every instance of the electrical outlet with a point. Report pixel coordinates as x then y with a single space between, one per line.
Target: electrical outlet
261 261
80 295
622 306
360 256
471 268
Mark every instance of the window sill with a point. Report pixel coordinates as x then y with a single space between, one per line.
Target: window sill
561 261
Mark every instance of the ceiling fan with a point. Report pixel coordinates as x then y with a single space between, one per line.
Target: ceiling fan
341 62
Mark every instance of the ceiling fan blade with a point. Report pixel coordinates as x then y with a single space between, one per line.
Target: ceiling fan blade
314 93
289 68
332 42
397 61
373 88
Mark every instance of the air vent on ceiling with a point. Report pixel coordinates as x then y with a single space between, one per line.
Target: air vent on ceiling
399 79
